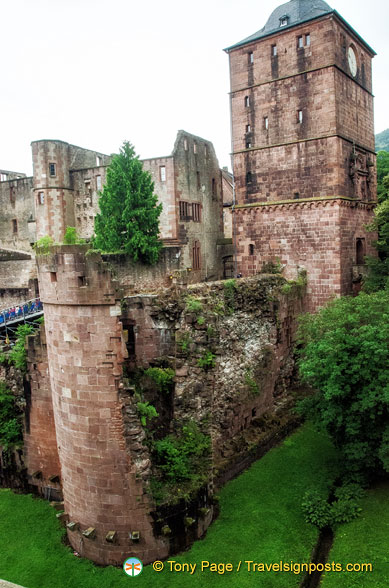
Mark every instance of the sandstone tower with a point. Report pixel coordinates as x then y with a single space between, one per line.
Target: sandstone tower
303 147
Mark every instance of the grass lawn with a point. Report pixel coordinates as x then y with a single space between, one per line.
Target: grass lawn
364 540
260 520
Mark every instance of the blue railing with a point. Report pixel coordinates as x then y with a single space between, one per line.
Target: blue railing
19 312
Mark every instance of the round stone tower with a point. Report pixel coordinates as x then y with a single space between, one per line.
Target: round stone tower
105 501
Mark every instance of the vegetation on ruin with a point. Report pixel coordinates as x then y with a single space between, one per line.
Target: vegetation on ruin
128 221
42 246
296 286
344 356
146 412
11 432
181 461
193 304
183 342
207 360
71 237
229 289
18 354
272 267
163 377
251 383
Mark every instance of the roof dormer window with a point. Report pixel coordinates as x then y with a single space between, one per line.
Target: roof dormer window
284 20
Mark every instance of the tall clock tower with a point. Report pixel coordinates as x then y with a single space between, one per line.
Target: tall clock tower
303 148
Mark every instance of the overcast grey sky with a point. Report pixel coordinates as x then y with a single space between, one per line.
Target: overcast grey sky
95 73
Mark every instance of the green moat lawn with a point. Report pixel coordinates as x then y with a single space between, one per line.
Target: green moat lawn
260 520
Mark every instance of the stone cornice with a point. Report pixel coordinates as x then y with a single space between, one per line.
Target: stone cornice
300 73
309 202
339 136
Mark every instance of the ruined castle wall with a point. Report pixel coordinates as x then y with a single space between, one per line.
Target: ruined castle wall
87 183
247 327
138 277
17 226
198 184
163 174
85 354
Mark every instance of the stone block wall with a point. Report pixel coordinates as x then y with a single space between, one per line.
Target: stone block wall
317 236
17 218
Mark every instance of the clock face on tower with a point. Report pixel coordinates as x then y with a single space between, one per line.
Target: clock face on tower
352 62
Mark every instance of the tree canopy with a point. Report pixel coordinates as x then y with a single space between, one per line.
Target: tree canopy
382 175
344 357
129 210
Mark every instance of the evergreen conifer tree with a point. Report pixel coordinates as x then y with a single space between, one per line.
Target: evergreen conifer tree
129 209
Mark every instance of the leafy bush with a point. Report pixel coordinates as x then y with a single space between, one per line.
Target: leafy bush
71 237
200 320
10 425
146 412
316 509
42 246
183 456
163 377
344 356
319 512
193 304
18 354
207 360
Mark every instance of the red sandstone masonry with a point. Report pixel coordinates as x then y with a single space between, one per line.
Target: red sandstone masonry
40 442
85 353
317 236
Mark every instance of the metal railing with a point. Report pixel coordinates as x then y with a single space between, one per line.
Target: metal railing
19 312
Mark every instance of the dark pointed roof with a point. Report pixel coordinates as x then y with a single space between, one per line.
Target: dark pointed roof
295 11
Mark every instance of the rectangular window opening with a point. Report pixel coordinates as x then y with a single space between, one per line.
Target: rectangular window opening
186 144
41 197
52 170
198 180
300 42
248 129
98 183
14 226
251 58
194 147
248 145
265 123
184 210
196 212
162 173
99 161
82 281
307 40
53 276
251 249
3 177
274 50
247 101
300 116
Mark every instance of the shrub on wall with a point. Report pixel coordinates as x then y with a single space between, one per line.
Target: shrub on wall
10 425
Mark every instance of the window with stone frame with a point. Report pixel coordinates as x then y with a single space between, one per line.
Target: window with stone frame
14 226
274 50
52 170
184 210
249 178
41 198
162 173
196 259
196 212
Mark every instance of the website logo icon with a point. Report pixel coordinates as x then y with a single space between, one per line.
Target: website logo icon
132 566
